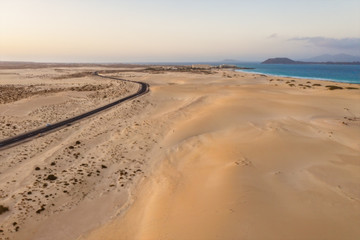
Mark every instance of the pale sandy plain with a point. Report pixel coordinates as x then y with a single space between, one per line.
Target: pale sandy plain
212 154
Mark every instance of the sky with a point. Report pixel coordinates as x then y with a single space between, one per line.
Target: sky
176 31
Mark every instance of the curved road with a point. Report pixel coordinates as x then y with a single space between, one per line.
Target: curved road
143 89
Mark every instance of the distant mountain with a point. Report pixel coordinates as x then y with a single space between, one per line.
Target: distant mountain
289 61
279 61
333 58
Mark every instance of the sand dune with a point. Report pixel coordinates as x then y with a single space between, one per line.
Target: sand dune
214 156
249 160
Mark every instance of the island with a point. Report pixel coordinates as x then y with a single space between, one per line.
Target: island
289 61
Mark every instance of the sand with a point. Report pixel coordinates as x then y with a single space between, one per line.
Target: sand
205 155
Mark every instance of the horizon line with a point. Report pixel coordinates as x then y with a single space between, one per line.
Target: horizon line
130 62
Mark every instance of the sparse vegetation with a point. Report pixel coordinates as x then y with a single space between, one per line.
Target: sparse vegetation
12 93
352 88
74 75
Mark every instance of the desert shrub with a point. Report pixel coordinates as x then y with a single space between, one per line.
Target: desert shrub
3 209
51 177
333 87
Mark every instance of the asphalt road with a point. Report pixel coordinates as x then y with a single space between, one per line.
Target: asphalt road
143 89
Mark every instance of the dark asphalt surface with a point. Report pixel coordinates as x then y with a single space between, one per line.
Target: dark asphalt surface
143 89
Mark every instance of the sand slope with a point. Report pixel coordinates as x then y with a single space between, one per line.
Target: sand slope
251 160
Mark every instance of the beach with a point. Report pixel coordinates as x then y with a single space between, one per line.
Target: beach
207 154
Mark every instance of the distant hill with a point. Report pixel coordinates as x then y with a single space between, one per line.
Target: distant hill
279 61
289 61
333 58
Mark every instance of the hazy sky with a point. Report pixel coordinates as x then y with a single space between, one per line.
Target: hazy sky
182 30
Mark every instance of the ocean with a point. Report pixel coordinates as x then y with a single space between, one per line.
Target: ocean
332 72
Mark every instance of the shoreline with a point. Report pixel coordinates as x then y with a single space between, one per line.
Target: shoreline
298 77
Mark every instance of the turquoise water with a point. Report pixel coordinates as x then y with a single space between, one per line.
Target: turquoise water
337 73
331 72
